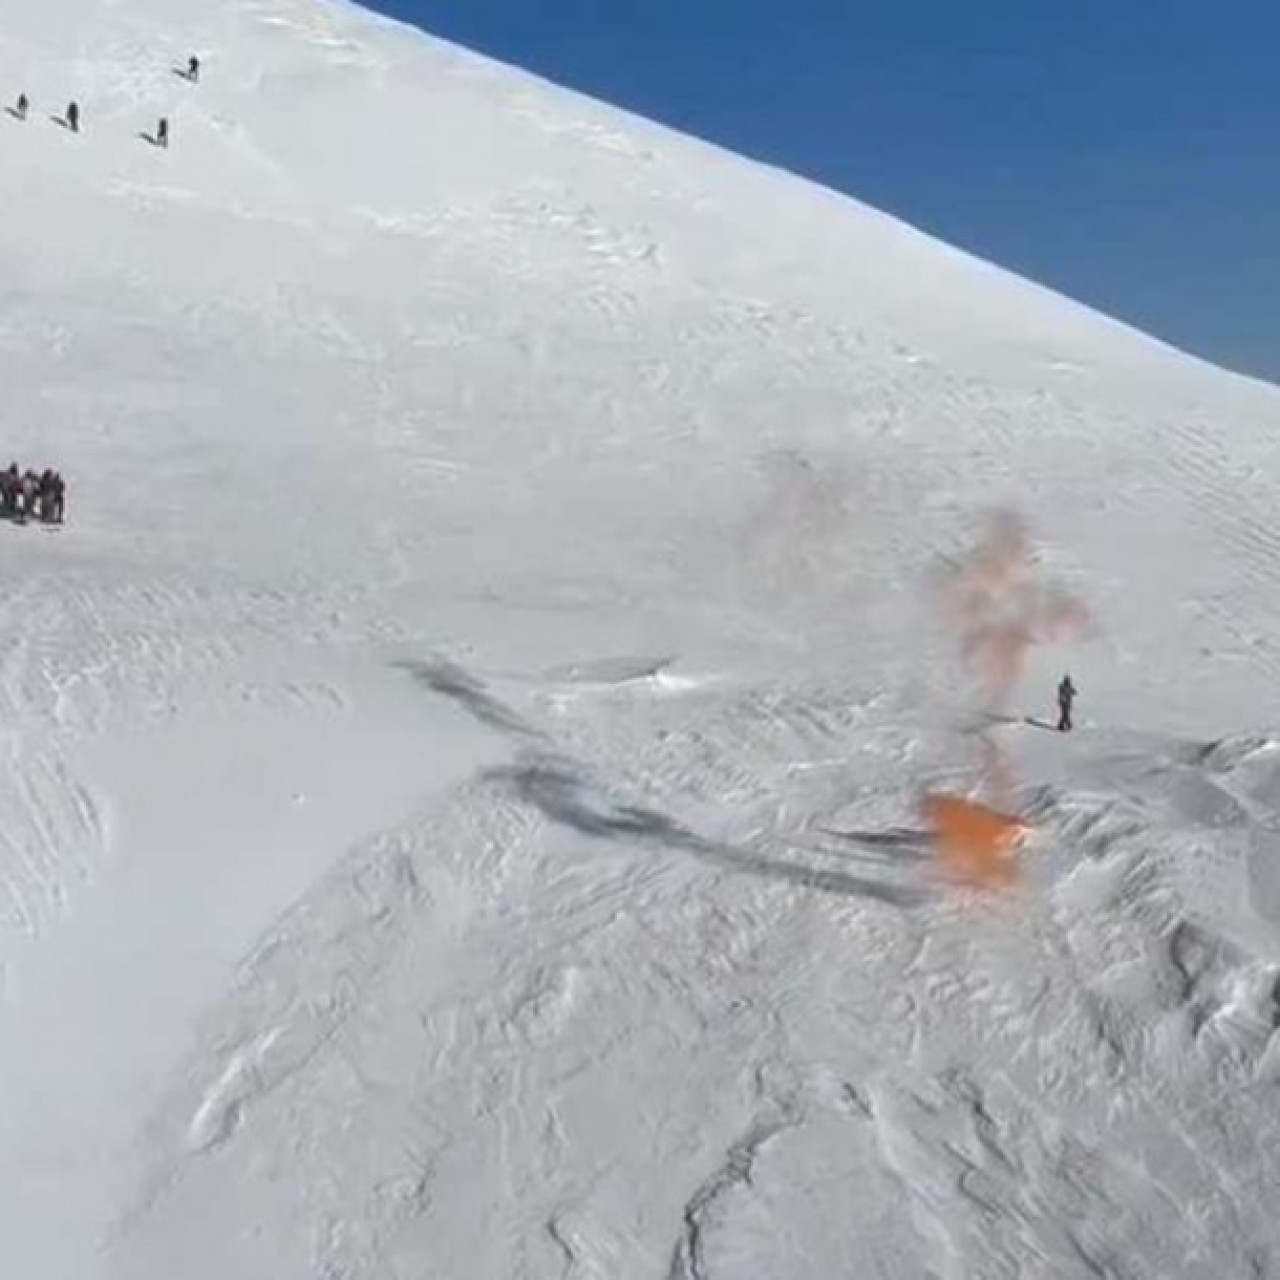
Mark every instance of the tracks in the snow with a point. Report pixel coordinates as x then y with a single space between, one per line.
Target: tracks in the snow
87 659
55 827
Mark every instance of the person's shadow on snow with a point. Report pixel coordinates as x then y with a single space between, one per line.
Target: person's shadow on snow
151 139
995 717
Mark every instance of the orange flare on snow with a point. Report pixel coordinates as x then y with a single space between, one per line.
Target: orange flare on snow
976 844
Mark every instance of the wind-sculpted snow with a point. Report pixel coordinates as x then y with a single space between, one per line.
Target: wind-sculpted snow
464 748
569 799
690 1261
1068 1082
563 791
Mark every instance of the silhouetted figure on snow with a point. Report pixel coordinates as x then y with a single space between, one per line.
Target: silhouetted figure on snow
10 487
73 117
23 105
162 132
47 495
1066 697
30 488
193 69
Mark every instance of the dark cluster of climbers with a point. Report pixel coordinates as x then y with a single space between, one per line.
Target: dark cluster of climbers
31 495
70 119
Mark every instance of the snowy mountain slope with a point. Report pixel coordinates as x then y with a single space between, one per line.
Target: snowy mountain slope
493 593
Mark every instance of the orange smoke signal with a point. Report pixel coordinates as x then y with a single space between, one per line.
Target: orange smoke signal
975 844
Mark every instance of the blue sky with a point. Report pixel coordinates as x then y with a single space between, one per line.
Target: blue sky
1126 152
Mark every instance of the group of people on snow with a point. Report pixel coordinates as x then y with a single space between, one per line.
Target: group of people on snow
71 117
32 495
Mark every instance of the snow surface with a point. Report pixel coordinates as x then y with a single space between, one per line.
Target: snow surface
461 755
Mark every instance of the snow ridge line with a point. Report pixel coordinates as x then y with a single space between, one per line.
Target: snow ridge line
688 1261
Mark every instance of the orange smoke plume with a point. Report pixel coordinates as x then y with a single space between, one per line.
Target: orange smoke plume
976 845
1000 609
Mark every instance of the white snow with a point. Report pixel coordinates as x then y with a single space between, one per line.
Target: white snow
495 585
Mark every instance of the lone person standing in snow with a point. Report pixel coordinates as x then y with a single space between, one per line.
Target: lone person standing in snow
21 112
162 132
193 69
1066 696
73 117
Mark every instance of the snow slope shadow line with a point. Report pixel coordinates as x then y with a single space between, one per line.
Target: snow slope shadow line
904 841
458 685
567 798
561 791
1034 721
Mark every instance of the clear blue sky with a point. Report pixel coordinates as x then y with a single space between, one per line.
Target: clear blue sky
1126 152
